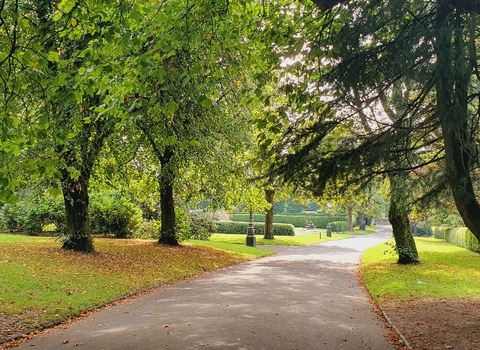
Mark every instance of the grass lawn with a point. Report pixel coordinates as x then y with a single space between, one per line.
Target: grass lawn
41 283
445 272
299 239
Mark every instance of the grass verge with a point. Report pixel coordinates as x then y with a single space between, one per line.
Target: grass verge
445 272
41 283
298 240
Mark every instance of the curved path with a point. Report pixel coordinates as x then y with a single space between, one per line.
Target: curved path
302 298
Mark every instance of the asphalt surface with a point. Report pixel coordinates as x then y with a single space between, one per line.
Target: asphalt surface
301 298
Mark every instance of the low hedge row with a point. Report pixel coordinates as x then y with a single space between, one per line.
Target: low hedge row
460 236
339 226
440 232
421 229
240 228
320 221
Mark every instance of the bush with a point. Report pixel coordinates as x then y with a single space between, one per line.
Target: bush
112 214
202 226
339 226
421 229
441 232
320 221
34 212
240 228
182 223
149 230
44 211
9 217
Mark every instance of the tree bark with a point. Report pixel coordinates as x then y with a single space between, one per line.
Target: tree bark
453 74
269 196
350 219
75 196
361 220
398 217
167 204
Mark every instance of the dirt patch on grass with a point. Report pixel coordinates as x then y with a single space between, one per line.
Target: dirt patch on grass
438 324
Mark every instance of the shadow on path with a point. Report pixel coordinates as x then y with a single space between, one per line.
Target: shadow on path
302 298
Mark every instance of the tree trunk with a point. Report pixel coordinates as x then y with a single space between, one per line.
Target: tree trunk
269 196
350 219
398 217
361 220
75 195
167 204
453 74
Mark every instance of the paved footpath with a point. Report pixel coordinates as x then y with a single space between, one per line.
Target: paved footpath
303 298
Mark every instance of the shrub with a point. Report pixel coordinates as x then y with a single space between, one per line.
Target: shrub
9 217
149 230
38 211
44 211
241 228
441 232
320 221
202 226
182 223
112 214
421 229
339 226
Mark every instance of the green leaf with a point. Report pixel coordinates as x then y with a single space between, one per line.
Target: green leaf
55 192
136 15
171 108
53 56
43 120
170 141
205 102
77 122
195 143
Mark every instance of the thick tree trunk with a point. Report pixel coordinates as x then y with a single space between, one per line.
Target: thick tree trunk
350 219
398 217
75 195
269 196
453 74
361 220
167 204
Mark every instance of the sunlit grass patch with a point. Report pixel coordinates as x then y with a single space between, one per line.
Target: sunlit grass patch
445 272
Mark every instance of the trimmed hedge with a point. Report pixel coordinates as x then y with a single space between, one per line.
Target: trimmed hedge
320 221
240 228
339 226
440 232
460 236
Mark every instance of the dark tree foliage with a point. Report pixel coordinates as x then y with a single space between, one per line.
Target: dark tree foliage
363 50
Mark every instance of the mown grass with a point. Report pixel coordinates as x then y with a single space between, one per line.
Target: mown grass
41 283
445 272
297 240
